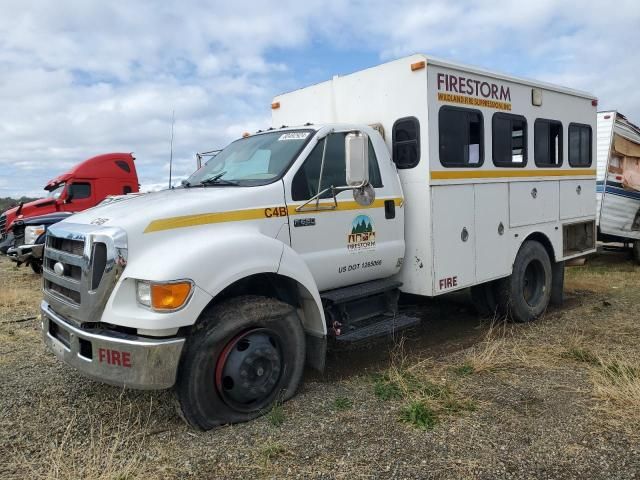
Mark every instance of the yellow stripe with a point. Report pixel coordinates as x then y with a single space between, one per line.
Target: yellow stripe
515 173
204 219
253 214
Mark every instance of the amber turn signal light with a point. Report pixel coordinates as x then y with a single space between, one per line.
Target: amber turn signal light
169 296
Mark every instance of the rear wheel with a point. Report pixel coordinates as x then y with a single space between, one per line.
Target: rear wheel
525 294
243 355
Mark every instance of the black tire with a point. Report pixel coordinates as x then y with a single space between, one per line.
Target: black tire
36 266
484 299
525 294
244 334
636 251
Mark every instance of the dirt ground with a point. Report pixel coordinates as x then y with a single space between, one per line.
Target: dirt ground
459 397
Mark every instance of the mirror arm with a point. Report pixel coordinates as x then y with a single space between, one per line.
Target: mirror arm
300 208
324 151
334 192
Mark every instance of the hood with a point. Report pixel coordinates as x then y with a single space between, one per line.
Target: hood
30 209
136 213
47 219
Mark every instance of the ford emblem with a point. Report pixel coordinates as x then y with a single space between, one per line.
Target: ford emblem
58 268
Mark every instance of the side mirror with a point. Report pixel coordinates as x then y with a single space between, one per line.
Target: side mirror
356 147
69 197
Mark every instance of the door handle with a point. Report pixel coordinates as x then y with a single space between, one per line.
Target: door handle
389 209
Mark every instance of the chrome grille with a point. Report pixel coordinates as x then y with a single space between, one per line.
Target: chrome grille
73 246
3 225
82 264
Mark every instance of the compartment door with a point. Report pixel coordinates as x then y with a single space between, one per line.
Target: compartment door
493 257
577 198
531 203
452 210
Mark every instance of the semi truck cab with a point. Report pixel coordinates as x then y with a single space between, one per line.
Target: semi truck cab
394 179
82 187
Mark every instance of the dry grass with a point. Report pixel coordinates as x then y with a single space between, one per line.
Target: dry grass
427 392
555 399
17 287
109 450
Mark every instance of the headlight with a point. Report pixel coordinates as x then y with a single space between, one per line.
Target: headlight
163 296
32 232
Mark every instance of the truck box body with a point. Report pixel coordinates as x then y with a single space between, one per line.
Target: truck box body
618 195
442 203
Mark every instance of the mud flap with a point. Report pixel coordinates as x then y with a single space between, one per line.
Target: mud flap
316 352
557 284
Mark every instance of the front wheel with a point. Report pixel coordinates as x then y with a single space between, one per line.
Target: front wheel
36 266
525 295
242 356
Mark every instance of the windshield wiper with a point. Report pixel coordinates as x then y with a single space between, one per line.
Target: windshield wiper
218 180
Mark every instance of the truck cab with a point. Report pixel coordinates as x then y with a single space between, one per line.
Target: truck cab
82 187
298 236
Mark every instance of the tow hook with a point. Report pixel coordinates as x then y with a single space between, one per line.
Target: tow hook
336 327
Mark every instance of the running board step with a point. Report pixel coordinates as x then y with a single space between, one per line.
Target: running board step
361 290
383 328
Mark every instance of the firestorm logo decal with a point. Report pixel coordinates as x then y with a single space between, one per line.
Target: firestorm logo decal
363 234
468 91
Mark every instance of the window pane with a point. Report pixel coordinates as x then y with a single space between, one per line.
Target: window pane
461 137
406 130
547 143
555 137
518 141
453 136
305 182
79 190
375 178
574 145
475 138
406 142
501 131
585 146
405 154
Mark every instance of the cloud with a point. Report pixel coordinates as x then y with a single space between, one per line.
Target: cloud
83 78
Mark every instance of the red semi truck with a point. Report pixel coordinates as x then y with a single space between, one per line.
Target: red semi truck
82 187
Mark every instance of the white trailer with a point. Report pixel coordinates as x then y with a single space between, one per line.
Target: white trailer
417 176
618 180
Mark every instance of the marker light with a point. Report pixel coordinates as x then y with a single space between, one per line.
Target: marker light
169 296
418 65
275 105
163 296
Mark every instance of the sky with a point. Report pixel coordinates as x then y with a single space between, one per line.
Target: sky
81 78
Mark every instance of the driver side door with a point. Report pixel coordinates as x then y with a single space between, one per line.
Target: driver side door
342 245
79 196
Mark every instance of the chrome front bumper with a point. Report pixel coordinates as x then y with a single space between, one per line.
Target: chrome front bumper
113 357
25 252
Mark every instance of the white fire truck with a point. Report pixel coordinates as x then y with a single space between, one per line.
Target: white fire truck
416 176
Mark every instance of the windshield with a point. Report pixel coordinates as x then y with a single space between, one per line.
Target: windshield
255 160
56 192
